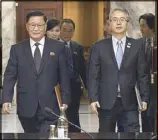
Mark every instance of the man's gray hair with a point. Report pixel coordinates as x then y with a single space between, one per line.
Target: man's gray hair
119 9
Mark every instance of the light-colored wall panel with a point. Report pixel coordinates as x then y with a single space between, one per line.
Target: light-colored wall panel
135 9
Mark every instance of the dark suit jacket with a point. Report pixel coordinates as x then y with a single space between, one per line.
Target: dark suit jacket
152 91
147 53
104 74
33 87
78 60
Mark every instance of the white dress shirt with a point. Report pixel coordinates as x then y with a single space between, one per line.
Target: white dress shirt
41 46
114 42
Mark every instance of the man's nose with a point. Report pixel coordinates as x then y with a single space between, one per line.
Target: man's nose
36 27
118 22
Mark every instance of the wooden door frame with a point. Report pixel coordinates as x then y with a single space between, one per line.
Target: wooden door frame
156 63
106 11
18 10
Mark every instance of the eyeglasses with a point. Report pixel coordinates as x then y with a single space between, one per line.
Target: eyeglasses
33 26
121 20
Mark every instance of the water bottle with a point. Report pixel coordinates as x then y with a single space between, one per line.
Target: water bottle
62 127
52 132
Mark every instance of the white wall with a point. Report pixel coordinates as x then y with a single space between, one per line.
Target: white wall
135 9
8 32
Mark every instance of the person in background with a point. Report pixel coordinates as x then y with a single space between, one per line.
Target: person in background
147 28
116 65
76 68
37 64
53 29
107 28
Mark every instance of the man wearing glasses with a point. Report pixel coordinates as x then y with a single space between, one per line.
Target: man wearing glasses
36 64
116 65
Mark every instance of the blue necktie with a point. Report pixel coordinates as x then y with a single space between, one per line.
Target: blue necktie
119 53
69 59
119 56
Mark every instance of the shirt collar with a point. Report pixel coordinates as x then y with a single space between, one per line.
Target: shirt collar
32 42
68 42
114 39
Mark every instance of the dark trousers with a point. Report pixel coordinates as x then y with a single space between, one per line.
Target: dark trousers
128 118
72 112
148 116
38 123
120 126
146 122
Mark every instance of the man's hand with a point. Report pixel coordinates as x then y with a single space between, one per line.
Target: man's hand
65 106
94 106
144 106
6 108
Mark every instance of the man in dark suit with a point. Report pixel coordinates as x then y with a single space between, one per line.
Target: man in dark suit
107 30
37 64
76 68
147 27
116 64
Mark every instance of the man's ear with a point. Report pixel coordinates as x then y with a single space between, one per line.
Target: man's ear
45 27
27 27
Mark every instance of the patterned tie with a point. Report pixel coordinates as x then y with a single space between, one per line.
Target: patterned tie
148 52
37 57
119 54
69 59
148 45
